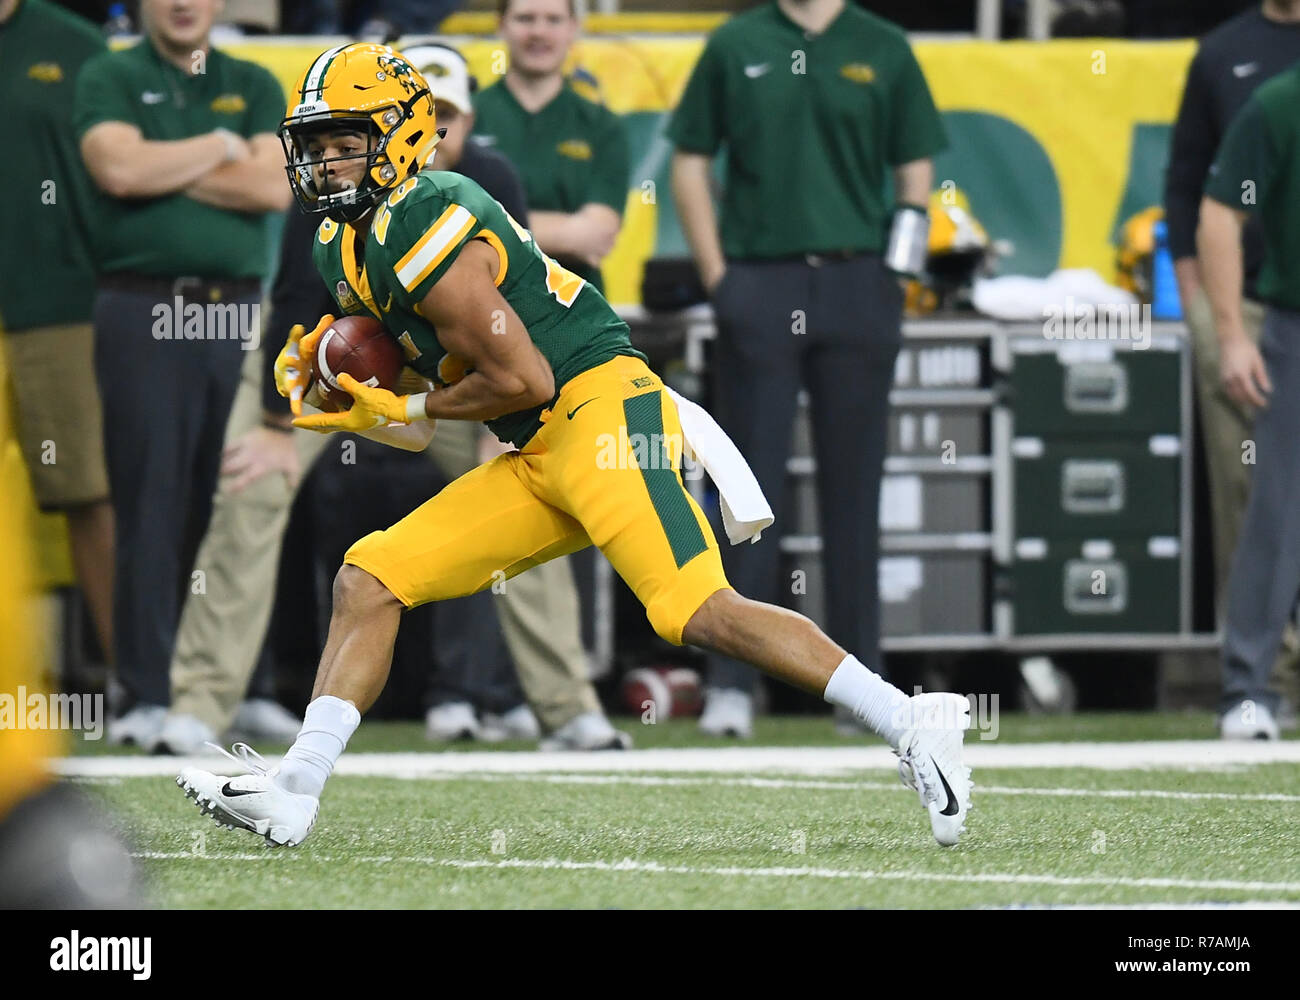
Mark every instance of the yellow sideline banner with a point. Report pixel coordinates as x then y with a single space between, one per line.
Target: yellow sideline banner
1054 142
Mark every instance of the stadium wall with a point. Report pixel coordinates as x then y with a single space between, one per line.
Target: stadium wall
1055 143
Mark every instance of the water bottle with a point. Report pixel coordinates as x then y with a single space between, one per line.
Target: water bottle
1165 303
119 23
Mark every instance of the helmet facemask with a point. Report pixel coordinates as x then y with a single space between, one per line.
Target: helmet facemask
370 90
337 200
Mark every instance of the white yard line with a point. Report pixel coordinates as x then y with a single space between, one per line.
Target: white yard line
842 786
812 784
1204 755
849 874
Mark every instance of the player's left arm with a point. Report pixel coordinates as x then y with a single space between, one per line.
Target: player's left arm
408 437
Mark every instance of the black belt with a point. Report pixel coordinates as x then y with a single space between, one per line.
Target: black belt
192 287
813 259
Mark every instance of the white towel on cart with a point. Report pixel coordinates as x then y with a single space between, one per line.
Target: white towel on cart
745 511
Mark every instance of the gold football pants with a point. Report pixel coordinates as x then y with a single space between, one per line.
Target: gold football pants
604 469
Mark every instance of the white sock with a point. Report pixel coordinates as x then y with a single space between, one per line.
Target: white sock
870 697
326 729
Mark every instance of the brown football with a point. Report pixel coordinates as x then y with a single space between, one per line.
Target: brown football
361 347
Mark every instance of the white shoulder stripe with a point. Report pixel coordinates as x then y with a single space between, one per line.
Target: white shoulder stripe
435 245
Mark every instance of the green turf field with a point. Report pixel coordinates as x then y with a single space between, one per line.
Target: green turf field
636 838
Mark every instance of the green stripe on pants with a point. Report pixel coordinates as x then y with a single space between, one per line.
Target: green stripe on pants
644 417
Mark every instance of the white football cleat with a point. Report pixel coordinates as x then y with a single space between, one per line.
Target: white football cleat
253 801
930 761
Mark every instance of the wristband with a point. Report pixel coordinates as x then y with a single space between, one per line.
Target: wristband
272 425
415 407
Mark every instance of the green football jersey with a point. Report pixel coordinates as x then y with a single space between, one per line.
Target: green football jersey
414 238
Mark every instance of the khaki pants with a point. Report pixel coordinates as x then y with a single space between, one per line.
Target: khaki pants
1225 427
221 632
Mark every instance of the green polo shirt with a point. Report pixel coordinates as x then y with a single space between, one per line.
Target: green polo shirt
569 153
1257 169
46 275
173 234
811 125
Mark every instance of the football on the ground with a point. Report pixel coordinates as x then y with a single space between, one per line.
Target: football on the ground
361 347
670 692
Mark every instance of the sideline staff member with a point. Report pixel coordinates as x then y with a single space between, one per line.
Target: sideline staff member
816 102
1231 63
46 286
1258 170
181 140
571 152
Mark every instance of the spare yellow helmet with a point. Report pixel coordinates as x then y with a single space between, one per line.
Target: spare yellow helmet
1137 247
953 227
371 88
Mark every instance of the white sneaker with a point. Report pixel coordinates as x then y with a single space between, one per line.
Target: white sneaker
450 721
930 761
140 727
728 712
1248 720
264 719
589 731
253 801
183 735
517 724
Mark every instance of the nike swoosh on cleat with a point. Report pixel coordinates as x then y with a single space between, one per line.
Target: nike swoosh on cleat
581 405
231 793
951 808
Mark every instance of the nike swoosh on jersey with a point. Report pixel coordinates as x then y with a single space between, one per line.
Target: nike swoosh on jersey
1244 70
581 405
153 97
754 72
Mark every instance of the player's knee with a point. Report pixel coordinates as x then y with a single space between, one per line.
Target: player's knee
357 592
708 627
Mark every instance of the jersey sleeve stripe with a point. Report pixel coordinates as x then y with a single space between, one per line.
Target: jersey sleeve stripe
419 244
494 241
434 246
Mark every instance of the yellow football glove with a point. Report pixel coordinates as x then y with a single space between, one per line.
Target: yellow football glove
294 363
372 407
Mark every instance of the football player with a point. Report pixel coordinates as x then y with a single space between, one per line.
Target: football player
509 337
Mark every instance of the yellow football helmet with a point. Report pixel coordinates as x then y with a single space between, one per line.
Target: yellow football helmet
371 89
1136 252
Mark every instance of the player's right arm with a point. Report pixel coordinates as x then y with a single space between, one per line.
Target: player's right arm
475 322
